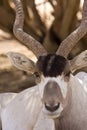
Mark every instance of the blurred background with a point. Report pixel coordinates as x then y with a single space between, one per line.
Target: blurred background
49 22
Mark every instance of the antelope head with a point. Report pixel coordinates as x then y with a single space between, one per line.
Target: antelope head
52 71
52 74
54 88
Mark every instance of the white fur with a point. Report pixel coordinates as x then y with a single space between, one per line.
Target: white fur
29 99
5 99
25 111
82 77
60 81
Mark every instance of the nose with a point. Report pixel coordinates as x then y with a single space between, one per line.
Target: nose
52 108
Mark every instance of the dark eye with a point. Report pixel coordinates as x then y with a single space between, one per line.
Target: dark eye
37 77
36 74
67 74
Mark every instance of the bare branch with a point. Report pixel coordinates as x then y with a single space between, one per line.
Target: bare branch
75 36
25 38
79 61
39 23
69 15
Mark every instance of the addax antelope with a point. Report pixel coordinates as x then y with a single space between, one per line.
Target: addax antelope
59 97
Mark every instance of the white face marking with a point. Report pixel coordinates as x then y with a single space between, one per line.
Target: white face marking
62 84
42 84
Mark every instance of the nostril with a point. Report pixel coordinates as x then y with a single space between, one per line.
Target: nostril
52 108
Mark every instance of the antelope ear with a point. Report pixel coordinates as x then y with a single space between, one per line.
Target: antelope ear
21 62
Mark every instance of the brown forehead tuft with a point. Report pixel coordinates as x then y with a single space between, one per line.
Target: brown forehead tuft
51 65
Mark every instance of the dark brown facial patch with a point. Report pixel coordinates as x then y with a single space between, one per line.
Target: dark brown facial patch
51 65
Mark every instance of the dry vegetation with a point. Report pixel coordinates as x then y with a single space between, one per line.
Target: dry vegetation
49 27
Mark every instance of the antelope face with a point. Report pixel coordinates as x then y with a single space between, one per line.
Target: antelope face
53 87
52 76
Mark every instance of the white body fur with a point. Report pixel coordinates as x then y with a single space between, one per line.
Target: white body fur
75 115
5 99
24 112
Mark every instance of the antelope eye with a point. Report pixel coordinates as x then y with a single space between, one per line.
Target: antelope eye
67 74
37 77
36 74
